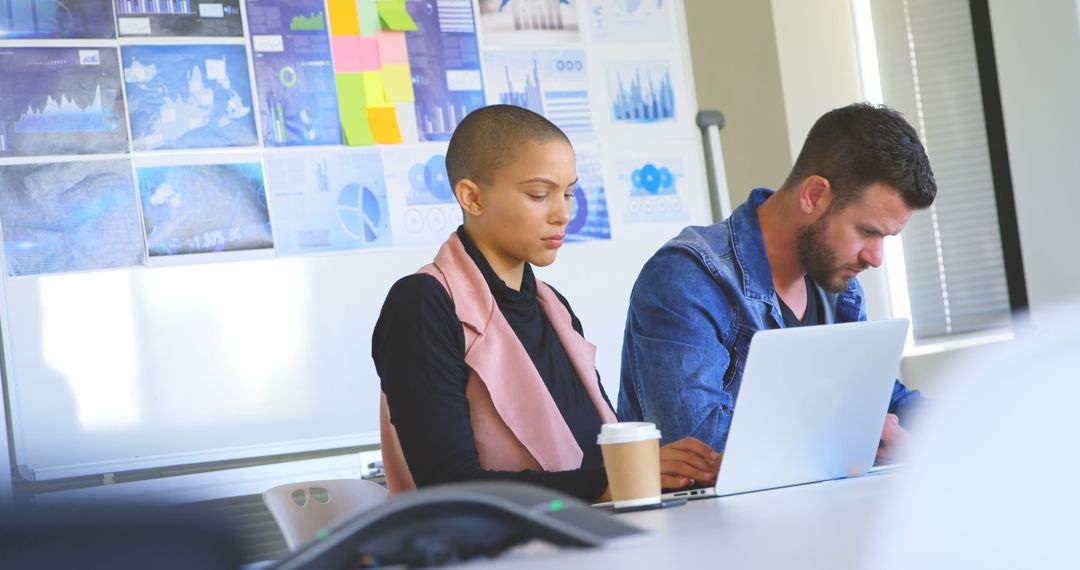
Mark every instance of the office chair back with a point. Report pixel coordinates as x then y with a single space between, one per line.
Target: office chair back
303 509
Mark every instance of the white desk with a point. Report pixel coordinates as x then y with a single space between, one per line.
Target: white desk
822 525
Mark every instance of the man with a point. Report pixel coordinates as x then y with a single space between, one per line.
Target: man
782 259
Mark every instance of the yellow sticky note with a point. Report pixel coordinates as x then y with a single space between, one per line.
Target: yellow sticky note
395 16
397 81
374 92
352 109
343 19
384 125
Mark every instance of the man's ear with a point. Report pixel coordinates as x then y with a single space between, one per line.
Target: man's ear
815 194
468 196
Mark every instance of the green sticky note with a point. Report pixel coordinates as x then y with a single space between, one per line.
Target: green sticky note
352 106
395 16
369 17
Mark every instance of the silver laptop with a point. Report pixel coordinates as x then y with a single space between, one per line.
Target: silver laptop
811 406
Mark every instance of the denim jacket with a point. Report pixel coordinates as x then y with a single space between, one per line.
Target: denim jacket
693 310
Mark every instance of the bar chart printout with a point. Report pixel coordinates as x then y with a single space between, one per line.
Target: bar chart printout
641 92
445 61
213 18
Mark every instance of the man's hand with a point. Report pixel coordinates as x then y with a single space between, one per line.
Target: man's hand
893 440
688 461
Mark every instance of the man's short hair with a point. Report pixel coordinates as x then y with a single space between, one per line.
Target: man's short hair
858 145
488 138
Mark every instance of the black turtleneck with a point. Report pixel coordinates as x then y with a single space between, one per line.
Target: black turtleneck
419 352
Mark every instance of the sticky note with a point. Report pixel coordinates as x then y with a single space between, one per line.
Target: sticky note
374 92
384 125
343 20
369 17
352 108
353 54
397 83
395 16
392 48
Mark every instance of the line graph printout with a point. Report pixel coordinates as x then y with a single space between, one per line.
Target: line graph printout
61 101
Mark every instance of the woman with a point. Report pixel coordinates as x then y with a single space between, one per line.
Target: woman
485 369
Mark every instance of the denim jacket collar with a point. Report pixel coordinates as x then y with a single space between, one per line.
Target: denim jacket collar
748 246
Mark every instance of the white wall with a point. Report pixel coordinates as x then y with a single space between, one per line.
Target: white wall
818 63
1038 59
737 71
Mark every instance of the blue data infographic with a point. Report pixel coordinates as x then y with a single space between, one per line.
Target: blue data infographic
641 92
61 101
654 186
204 208
38 19
551 83
590 219
422 202
631 21
515 23
293 74
193 96
328 200
211 18
69 216
445 61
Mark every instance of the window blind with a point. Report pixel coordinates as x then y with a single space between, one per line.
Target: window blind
952 251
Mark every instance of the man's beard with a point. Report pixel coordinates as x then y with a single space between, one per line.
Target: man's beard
819 259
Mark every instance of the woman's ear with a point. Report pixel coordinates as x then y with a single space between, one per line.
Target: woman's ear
468 196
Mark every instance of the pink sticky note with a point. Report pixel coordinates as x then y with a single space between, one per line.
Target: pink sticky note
392 48
353 54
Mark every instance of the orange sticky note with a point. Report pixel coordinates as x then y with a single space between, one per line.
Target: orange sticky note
343 18
397 83
384 127
392 48
353 54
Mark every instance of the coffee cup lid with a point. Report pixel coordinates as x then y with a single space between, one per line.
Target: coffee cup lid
627 432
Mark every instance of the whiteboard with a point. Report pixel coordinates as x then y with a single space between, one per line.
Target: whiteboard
239 356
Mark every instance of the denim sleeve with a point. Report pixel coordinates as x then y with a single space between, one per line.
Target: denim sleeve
674 360
904 401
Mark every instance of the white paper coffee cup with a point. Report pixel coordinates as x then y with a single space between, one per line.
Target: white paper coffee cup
632 460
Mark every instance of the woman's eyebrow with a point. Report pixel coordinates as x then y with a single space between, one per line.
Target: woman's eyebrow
539 180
